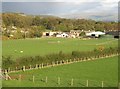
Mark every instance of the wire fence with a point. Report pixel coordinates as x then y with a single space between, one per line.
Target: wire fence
58 81
62 81
56 63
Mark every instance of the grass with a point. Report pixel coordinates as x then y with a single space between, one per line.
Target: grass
43 46
95 71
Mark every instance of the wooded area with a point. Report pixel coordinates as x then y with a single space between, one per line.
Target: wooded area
37 24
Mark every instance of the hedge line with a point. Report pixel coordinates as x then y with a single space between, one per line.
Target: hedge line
33 60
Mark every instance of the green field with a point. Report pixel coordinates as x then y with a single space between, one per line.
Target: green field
95 71
43 46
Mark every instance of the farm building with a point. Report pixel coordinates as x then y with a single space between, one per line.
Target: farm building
77 33
63 35
74 33
50 33
116 34
95 34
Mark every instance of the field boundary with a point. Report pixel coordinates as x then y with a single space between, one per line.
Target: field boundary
58 63
58 81
71 82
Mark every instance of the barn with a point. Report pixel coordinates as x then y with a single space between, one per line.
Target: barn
95 34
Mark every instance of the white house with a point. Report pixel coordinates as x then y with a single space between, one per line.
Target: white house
95 34
63 35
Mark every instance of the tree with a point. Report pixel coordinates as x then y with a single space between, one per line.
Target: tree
36 21
82 33
99 27
61 27
18 34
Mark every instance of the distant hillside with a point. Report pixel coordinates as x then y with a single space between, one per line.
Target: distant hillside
94 16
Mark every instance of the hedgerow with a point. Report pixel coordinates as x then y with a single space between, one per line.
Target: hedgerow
33 60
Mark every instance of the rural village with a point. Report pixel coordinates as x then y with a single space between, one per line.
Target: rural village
55 46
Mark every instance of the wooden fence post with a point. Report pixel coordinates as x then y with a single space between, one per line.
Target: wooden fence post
58 80
88 58
102 84
19 77
39 66
33 78
6 77
46 79
36 66
57 62
72 82
46 64
23 68
42 65
87 83
84 59
9 69
66 61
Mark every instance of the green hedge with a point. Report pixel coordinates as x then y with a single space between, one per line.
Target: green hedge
33 60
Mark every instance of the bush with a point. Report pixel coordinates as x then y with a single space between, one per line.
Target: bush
7 62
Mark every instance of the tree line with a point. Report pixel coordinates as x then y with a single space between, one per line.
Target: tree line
55 23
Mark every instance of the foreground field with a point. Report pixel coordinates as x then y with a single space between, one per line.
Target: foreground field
43 46
94 71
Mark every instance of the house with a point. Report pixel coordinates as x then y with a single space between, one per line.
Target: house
95 34
74 33
77 33
62 35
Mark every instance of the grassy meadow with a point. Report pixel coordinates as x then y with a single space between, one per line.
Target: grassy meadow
94 71
43 46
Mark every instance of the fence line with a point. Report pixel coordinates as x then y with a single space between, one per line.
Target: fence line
57 63
86 83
